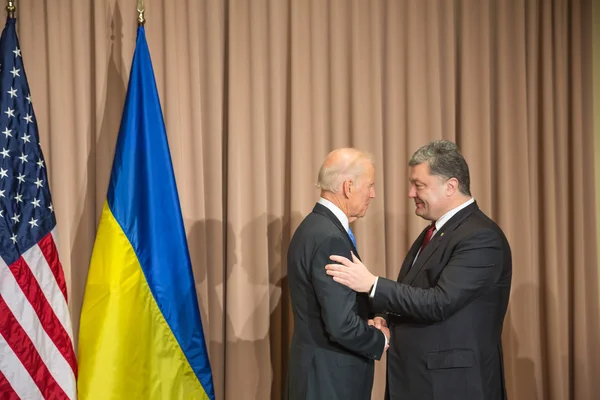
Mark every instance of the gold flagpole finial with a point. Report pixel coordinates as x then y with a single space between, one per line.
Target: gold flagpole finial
140 8
11 8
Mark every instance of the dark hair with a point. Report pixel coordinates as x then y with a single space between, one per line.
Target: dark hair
445 160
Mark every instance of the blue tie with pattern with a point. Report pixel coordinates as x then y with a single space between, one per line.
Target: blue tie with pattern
352 237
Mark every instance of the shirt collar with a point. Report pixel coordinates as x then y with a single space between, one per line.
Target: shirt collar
343 218
446 217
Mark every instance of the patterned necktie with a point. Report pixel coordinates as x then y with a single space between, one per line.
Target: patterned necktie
352 237
428 235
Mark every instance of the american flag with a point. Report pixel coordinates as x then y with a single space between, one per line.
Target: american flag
37 359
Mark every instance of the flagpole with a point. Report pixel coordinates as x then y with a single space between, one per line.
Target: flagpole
140 8
11 8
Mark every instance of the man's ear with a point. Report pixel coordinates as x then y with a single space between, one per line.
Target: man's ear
451 186
347 188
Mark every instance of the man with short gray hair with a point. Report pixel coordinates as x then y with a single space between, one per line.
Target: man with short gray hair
446 309
334 344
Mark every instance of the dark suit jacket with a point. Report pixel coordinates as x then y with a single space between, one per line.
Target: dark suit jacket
333 348
446 313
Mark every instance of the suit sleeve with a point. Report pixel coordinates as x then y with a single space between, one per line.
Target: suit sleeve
475 265
338 302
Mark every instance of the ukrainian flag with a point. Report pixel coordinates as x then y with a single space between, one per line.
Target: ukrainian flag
141 334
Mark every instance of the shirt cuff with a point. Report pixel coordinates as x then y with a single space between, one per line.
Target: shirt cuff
372 294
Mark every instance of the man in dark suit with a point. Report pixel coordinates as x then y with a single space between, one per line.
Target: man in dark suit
446 309
334 344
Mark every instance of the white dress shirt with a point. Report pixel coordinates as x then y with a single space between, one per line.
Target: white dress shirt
343 218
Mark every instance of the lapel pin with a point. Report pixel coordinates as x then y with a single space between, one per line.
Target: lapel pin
441 234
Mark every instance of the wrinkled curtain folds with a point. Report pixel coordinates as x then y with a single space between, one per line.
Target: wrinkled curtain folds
255 93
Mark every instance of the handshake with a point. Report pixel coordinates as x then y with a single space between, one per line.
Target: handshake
381 324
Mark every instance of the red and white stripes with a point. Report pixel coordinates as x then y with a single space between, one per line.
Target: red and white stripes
36 340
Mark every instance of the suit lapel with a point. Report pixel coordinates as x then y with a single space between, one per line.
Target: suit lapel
439 240
410 256
321 209
427 252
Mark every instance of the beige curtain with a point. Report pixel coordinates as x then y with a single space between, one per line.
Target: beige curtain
256 92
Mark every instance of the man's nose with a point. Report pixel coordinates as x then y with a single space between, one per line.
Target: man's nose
412 192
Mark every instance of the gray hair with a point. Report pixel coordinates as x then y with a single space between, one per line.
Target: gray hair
350 166
445 160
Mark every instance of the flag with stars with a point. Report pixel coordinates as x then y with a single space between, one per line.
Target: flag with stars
37 358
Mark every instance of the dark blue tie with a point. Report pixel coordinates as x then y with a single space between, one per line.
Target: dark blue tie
352 237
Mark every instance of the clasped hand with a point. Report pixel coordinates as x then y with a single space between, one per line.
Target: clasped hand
381 324
357 277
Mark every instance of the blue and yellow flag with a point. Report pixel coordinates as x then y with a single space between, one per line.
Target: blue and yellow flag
140 333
